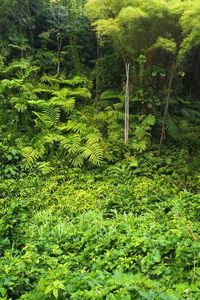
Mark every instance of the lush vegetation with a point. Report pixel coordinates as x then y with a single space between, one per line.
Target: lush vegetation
99 149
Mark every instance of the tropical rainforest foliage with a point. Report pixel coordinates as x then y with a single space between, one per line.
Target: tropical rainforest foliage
99 149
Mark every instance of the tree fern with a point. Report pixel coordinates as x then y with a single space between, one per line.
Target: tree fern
77 126
45 168
172 128
66 105
141 133
49 117
77 161
191 114
71 143
51 113
31 155
92 151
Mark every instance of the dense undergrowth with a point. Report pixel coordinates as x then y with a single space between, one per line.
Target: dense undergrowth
115 232
99 149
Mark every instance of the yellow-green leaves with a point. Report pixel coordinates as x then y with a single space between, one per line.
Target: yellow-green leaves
130 14
107 27
168 45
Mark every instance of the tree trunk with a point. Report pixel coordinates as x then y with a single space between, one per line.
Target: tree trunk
126 127
169 91
59 47
97 87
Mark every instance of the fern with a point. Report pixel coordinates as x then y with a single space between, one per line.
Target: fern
30 156
75 126
71 143
45 168
141 139
77 161
67 105
78 80
81 92
140 132
140 146
48 138
191 115
172 128
109 97
51 113
74 82
49 117
92 151
115 115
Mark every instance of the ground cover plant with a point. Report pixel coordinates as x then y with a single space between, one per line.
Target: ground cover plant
110 235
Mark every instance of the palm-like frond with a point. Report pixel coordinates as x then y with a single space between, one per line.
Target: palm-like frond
49 117
92 151
172 128
71 143
31 155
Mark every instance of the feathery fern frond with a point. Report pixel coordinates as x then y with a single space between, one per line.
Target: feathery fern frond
115 115
81 92
141 146
51 113
140 132
71 143
76 126
45 168
78 80
30 156
191 114
92 151
40 104
20 107
49 117
66 105
77 161
172 128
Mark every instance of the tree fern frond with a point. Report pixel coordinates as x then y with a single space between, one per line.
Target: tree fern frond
62 94
112 98
37 103
172 128
20 107
71 143
140 132
52 113
191 115
52 80
140 146
77 161
45 168
77 126
78 80
49 117
44 89
81 92
116 115
42 121
92 151
49 138
30 156
22 64
66 105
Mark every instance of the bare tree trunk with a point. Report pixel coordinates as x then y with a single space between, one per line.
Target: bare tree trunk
97 87
169 91
59 47
126 127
